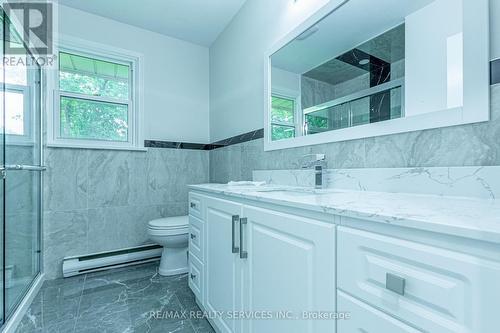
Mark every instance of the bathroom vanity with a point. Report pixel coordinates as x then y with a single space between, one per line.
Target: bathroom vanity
270 258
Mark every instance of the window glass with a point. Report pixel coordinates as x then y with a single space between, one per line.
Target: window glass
94 99
15 75
282 132
86 119
282 109
282 118
78 74
14 113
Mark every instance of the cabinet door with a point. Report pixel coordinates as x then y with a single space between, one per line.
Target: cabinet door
222 266
289 271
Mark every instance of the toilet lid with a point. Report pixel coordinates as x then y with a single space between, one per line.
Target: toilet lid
169 222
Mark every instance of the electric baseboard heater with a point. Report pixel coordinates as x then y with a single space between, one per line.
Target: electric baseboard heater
112 259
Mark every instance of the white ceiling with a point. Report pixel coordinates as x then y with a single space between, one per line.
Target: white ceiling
196 21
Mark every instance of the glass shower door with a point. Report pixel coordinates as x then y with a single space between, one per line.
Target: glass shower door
21 173
2 183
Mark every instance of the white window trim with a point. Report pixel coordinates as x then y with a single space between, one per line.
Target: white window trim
136 109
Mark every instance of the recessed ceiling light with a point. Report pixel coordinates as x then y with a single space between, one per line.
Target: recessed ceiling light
363 62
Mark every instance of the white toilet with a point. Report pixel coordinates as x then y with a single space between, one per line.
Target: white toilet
172 234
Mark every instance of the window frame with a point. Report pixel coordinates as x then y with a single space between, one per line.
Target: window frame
134 103
289 95
26 91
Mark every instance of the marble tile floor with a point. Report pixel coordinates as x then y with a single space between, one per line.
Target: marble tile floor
119 300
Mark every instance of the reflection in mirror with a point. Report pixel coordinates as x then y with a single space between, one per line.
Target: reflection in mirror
354 68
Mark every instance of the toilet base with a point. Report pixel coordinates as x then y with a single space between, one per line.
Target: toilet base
174 261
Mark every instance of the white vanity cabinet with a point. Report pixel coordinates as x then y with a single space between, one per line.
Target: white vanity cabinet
256 258
267 264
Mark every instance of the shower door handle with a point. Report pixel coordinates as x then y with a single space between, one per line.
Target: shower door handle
21 167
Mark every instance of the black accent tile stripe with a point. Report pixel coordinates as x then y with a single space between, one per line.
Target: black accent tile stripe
495 71
253 135
177 145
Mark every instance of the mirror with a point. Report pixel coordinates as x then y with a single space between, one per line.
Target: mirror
365 70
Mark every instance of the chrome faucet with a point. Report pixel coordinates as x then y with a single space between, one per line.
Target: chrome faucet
318 162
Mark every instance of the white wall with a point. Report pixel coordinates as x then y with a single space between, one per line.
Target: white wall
428 59
176 74
285 83
236 60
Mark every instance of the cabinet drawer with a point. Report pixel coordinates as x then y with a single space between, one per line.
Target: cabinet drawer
433 289
196 237
196 205
364 318
195 277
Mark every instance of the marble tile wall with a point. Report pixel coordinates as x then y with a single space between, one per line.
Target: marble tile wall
100 200
472 181
315 92
466 145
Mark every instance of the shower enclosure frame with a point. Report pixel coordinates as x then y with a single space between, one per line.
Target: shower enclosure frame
11 317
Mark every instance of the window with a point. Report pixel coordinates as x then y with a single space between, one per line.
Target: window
282 117
95 103
16 92
315 124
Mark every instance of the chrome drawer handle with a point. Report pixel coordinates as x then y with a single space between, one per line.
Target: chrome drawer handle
193 205
243 253
395 283
193 276
235 219
193 236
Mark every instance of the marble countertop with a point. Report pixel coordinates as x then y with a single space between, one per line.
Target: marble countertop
473 218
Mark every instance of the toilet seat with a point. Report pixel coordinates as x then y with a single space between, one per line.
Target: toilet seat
168 226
